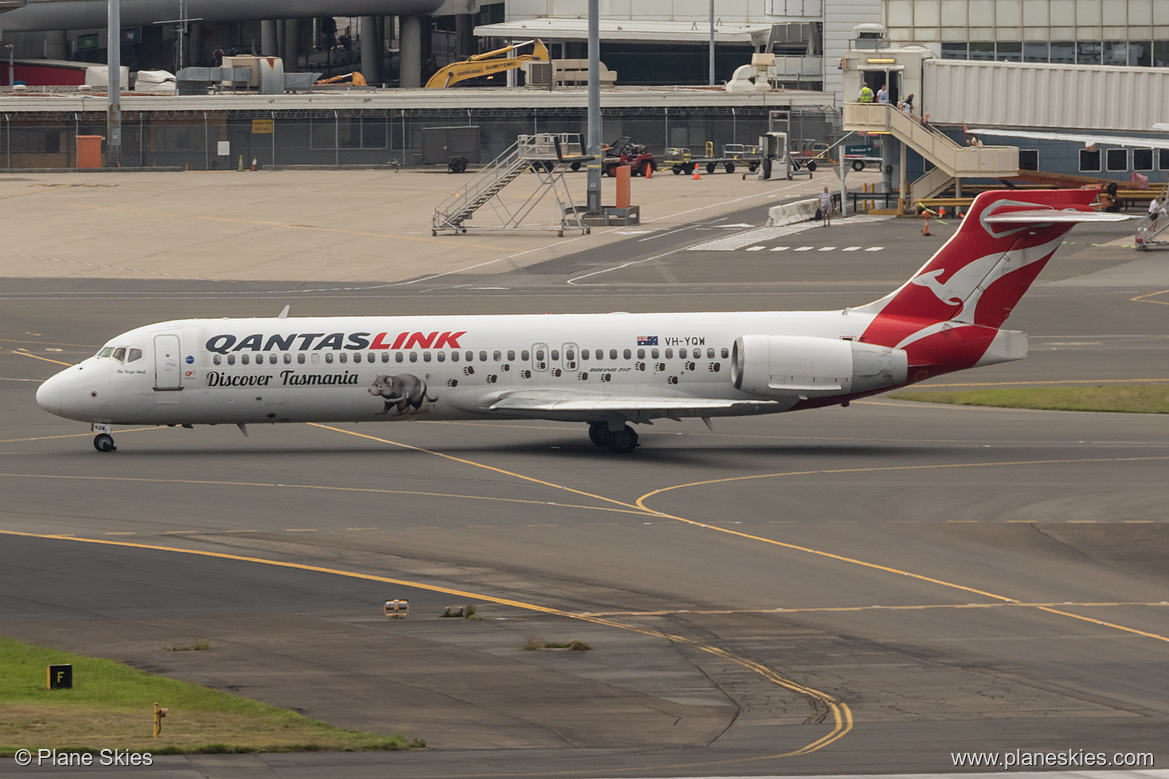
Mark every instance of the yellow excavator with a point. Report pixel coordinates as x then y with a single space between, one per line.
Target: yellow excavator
488 63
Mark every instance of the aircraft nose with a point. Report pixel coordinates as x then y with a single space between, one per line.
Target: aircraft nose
49 395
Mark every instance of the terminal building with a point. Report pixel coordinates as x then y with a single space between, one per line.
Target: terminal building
1097 66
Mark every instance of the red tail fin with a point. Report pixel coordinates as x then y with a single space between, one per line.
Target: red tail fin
978 276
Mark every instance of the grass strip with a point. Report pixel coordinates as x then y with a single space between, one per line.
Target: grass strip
1120 398
111 707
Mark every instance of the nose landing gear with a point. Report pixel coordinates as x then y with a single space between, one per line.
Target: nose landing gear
103 441
622 441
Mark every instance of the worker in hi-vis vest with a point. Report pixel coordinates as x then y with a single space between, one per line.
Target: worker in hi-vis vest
866 95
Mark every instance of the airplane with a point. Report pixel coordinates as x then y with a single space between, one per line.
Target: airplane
606 370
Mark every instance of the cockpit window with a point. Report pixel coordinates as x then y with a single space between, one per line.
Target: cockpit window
120 354
135 354
106 351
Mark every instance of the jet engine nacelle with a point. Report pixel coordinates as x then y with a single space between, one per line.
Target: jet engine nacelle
783 365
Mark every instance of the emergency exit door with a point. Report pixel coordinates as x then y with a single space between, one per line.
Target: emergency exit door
168 374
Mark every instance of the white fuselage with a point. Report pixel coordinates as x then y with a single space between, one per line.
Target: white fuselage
209 371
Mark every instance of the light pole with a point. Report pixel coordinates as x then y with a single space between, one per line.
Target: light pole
114 85
712 43
593 198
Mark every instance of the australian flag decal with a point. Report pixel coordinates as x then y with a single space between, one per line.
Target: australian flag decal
647 340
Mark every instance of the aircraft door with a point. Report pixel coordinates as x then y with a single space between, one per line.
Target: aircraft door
539 357
168 374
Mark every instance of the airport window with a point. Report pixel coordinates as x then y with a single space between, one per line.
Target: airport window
426 357
1035 51
1009 51
1116 159
1163 159
300 359
1160 54
1140 53
442 356
612 354
34 141
217 359
1142 159
1028 159
981 50
1063 52
328 357
231 359
524 355
1116 53
413 356
243 358
954 51
135 354
1088 53
1089 160
511 355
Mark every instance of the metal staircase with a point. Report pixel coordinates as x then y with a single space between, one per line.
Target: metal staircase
1148 230
950 160
543 155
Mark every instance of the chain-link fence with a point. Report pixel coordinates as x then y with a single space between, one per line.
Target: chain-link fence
216 140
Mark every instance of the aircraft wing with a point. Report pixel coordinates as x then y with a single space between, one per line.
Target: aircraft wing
1046 215
557 404
1085 138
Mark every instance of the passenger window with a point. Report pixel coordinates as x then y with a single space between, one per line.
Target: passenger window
413 356
669 354
442 356
470 357
569 356
641 354
356 357
300 359
653 353
725 353
328 357
710 353
120 354
245 359
627 354
287 358
217 359
398 357
511 355
612 354
524 355
316 358
682 353
273 359
555 355
584 354
482 356
231 359
497 355
454 356
342 357
135 354
426 357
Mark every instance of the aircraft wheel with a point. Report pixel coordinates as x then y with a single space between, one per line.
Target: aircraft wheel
599 433
623 441
104 443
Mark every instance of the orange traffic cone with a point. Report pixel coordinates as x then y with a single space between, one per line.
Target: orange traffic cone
925 227
942 212
649 170
696 177
253 163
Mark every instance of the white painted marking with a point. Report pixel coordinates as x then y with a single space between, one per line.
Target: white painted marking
756 248
850 248
826 249
874 248
804 248
780 248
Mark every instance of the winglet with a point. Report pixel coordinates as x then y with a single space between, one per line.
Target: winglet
284 313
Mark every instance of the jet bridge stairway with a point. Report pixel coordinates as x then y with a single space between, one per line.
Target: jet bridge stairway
544 154
951 161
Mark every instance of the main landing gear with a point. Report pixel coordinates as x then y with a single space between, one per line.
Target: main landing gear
103 441
622 441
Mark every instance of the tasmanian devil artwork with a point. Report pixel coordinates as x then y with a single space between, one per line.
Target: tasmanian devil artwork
403 392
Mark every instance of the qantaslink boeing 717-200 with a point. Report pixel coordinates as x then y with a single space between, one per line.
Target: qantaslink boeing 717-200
605 370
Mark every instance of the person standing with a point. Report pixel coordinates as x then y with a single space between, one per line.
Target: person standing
826 207
1154 211
883 95
866 94
907 106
